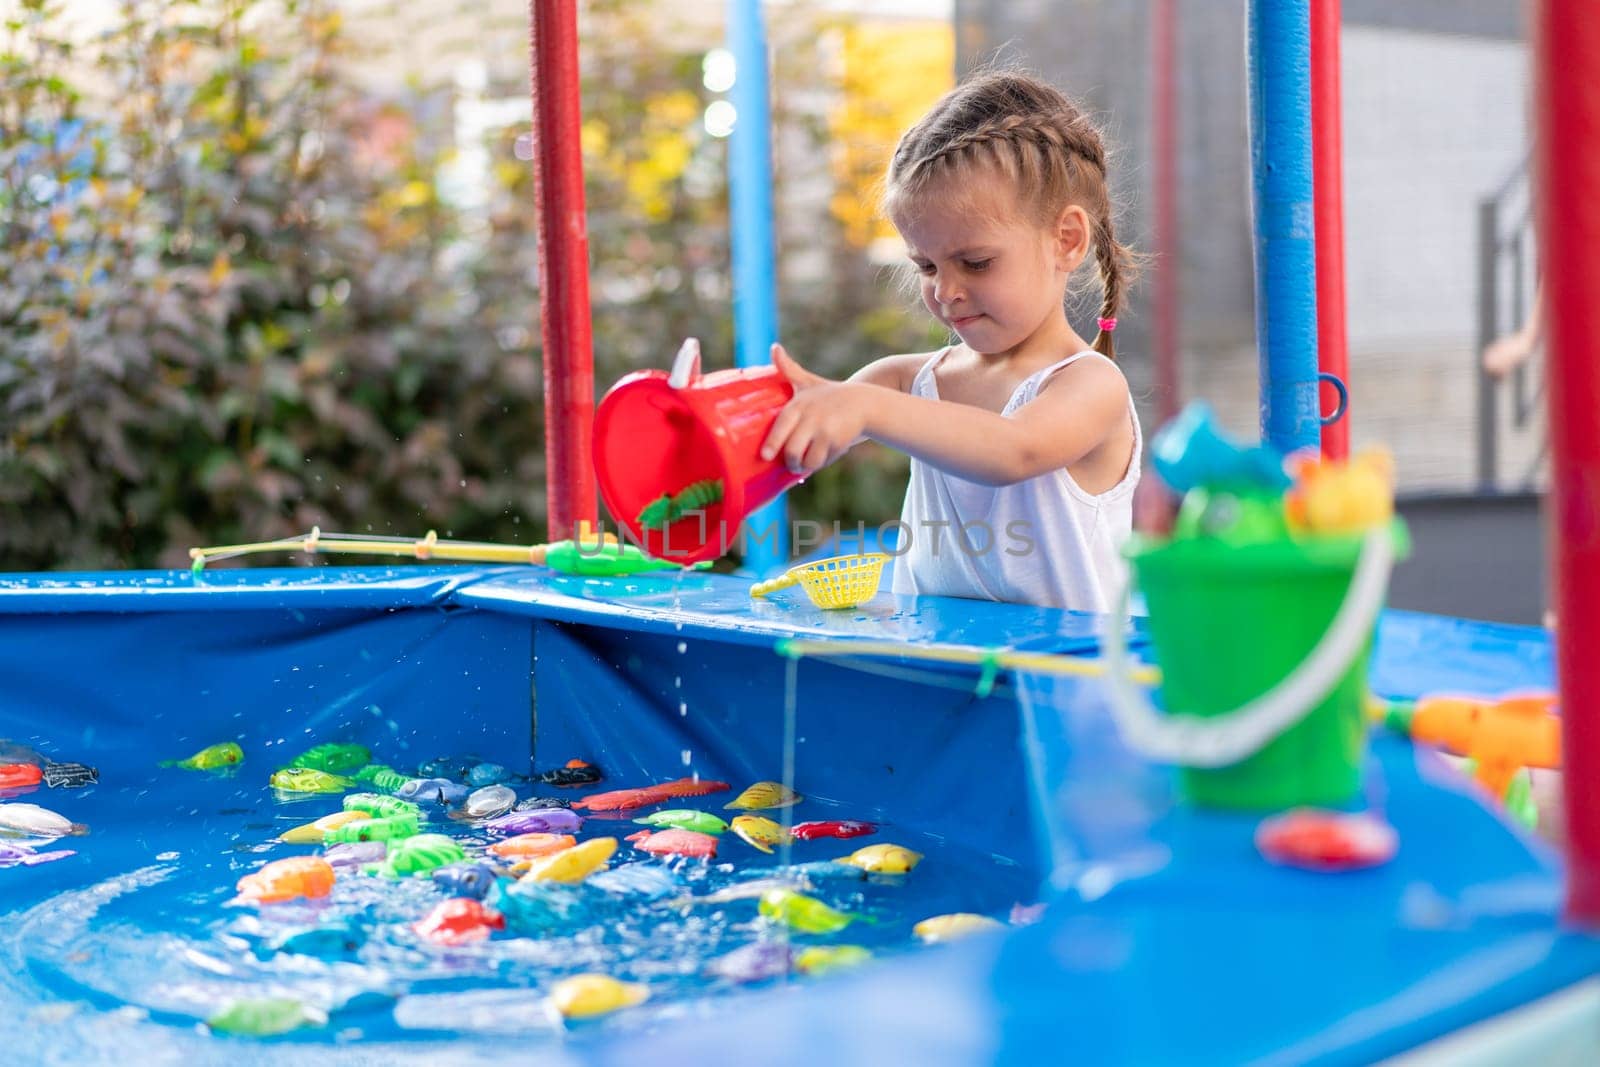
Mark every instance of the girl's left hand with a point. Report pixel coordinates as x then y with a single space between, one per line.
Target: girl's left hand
820 424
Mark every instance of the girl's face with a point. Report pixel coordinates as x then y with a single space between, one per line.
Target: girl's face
991 274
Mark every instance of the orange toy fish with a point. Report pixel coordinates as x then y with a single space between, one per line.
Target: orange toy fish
628 799
531 845
1500 736
297 876
675 843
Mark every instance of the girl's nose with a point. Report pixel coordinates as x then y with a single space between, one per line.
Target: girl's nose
945 290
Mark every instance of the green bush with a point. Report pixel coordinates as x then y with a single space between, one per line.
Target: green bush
233 304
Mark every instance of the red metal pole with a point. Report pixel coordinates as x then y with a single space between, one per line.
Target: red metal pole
563 267
1327 161
1567 94
1164 105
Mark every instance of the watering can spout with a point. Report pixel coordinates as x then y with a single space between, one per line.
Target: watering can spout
686 364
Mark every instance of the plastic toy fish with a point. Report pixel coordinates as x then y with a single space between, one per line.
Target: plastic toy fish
432 791
211 758
541 821
753 963
957 924
452 768
31 819
1341 498
575 773
333 757
820 959
573 865
70 775
883 859
312 833
668 508
540 803
675 843
827 871
765 796
465 879
806 914
650 881
323 942
759 833
586 995
812 831
353 854
392 828
488 802
487 774
605 560
1326 841
419 855
459 921
379 776
531 846
306 780
20 776
628 799
265 1016
382 807
1191 452
310 877
18 854
685 819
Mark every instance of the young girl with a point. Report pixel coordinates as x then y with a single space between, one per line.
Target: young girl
1023 439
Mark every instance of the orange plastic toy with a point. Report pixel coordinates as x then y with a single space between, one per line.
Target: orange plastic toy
531 845
1501 736
297 876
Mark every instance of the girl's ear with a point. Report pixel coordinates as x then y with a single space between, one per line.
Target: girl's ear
1073 232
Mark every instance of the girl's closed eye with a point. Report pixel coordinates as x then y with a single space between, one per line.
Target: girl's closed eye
976 265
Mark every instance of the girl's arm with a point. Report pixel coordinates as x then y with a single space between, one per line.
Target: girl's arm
1078 409
891 372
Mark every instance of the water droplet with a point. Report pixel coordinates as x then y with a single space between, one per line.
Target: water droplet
170 855
688 757
683 646
677 681
683 709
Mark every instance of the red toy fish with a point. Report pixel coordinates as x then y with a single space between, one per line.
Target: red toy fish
628 799
19 776
811 831
1326 840
676 843
458 921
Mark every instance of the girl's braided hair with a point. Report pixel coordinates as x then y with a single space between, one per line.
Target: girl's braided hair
1032 133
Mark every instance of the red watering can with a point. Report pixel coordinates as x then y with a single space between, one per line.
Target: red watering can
659 435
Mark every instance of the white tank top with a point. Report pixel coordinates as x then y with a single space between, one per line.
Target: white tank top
1042 541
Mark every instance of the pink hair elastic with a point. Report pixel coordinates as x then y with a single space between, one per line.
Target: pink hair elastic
1107 325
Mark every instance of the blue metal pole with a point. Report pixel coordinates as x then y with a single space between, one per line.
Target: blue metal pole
1285 225
755 287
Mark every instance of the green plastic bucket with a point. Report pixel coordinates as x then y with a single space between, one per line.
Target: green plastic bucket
1228 624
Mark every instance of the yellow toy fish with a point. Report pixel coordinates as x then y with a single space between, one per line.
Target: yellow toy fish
957 924
1342 498
311 833
803 913
759 833
573 865
306 780
764 796
585 995
820 959
210 758
883 859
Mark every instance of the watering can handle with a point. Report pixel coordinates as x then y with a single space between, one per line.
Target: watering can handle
686 364
1226 739
772 585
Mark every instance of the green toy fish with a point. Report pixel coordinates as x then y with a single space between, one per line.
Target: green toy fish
390 828
381 776
265 1017
417 855
686 819
820 959
306 780
805 914
211 758
382 807
333 758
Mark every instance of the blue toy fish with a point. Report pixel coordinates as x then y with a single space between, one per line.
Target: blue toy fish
433 791
487 774
465 879
1191 451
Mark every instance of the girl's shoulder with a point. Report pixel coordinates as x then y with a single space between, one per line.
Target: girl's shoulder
895 372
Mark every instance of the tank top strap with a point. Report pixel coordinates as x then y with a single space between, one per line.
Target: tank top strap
1034 382
922 384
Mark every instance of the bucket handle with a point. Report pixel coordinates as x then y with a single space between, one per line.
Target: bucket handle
686 364
1225 739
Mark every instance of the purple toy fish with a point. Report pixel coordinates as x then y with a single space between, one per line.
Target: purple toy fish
355 853
753 963
542 821
16 854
